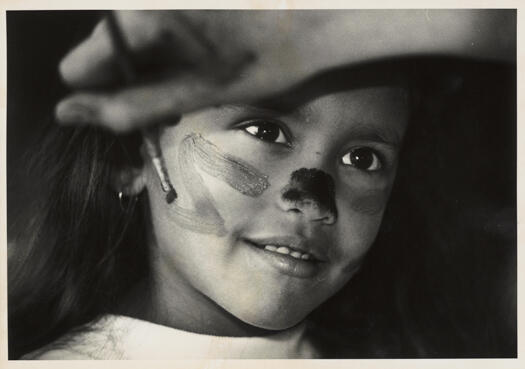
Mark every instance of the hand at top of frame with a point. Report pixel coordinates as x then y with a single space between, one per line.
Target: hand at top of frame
186 60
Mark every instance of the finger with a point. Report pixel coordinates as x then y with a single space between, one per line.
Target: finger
139 106
92 63
167 37
88 64
163 102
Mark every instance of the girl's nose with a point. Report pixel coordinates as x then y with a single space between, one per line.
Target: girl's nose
310 194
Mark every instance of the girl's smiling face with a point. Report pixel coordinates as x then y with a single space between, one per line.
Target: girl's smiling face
275 210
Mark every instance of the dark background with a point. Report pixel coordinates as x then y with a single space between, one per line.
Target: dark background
36 41
476 134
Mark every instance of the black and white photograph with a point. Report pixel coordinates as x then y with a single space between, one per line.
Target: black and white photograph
261 184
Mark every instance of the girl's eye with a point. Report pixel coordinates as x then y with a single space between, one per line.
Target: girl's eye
362 158
267 131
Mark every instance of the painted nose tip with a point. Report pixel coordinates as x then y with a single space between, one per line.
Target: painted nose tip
311 193
312 211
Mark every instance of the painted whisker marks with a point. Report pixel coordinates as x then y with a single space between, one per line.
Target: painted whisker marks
195 151
237 174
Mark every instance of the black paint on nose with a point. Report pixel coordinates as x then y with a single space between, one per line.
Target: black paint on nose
312 186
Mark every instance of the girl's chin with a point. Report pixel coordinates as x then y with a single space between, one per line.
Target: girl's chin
275 326
274 322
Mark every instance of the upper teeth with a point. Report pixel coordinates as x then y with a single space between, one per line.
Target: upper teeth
287 251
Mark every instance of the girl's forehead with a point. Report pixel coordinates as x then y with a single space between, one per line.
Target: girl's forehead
372 113
352 102
380 108
356 101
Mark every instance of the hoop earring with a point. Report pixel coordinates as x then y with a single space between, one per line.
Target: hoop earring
124 201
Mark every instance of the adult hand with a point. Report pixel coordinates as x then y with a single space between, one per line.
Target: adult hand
186 60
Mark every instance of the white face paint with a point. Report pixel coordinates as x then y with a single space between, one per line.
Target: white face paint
197 152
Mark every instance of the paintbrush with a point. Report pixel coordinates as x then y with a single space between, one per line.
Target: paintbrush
149 135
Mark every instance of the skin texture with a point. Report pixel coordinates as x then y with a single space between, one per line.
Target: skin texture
223 284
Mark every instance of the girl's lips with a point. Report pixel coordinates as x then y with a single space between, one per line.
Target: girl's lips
286 263
294 246
283 249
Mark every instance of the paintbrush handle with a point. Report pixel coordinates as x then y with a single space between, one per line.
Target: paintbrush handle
149 136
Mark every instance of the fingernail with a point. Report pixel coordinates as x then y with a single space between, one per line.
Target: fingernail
73 112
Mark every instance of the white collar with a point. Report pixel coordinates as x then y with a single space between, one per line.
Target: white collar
116 337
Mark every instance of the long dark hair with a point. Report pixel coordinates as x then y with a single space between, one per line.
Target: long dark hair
83 249
440 280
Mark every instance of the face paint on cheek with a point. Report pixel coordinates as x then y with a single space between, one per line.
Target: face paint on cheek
204 218
369 203
197 151
237 174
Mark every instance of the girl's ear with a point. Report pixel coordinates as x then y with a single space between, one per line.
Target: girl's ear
129 180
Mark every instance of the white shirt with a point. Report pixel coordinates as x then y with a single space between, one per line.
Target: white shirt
118 337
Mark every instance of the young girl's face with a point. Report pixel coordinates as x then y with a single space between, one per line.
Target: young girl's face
275 211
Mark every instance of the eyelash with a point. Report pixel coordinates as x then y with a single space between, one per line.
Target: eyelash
282 135
375 165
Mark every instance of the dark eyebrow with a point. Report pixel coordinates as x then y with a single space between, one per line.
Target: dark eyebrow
298 112
384 134
243 108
